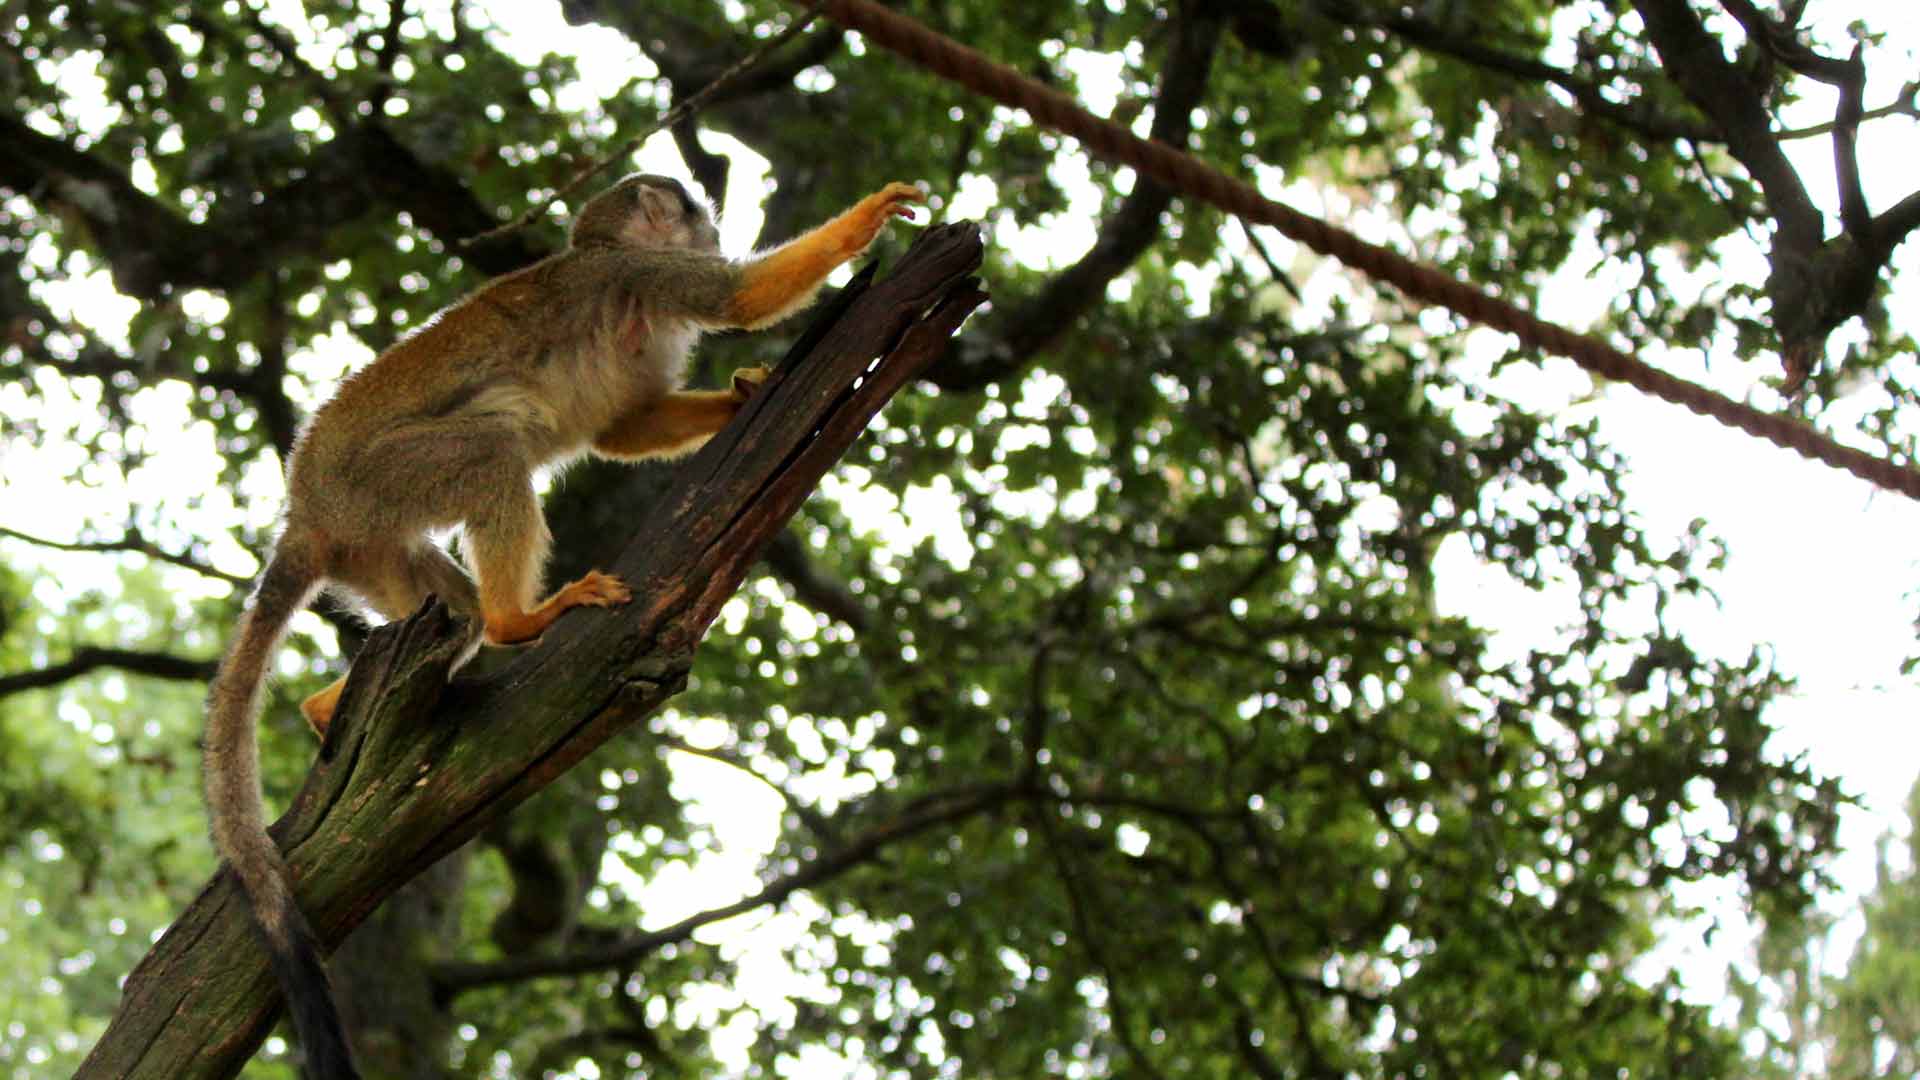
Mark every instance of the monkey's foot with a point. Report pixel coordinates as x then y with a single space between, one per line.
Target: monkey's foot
746 381
594 590
318 709
525 627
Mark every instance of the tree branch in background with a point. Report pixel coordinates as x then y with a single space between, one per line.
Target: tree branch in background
1640 116
94 360
1906 103
1854 214
268 379
133 542
153 252
788 559
820 825
1124 235
1693 58
1780 39
339 618
932 812
1090 931
674 119
1815 284
1898 222
389 53
91 658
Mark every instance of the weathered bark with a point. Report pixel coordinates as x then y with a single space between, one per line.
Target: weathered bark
415 766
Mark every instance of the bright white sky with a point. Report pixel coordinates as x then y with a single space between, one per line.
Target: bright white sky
1821 570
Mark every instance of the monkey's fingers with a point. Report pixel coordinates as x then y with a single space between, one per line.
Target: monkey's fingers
852 231
896 194
897 191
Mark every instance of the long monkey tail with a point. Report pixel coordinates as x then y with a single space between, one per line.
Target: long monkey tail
238 813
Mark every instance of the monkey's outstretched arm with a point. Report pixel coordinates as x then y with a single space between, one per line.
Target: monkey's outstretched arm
773 285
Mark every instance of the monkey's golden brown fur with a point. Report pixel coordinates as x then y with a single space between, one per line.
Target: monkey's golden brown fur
582 352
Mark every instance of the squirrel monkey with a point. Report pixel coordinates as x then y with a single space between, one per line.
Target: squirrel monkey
582 352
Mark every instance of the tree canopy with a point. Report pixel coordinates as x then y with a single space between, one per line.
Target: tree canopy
1098 715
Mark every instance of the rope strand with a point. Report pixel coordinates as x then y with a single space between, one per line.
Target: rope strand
1181 171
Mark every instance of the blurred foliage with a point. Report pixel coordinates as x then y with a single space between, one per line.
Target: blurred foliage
1165 759
1863 1021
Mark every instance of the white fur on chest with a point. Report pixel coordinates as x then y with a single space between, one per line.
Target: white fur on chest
629 364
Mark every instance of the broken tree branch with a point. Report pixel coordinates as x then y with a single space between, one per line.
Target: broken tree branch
414 767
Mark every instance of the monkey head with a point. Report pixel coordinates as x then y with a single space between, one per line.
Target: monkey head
644 210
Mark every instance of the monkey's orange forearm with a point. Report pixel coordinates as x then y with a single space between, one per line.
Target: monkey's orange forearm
677 423
773 285
669 426
785 278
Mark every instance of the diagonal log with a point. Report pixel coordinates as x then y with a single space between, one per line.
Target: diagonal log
414 766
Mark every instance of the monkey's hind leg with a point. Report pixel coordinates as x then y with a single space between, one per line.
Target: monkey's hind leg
506 541
318 709
395 582
678 423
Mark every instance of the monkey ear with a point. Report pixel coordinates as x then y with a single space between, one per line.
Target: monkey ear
659 207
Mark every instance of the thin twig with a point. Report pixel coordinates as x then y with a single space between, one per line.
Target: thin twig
671 117
136 543
1907 104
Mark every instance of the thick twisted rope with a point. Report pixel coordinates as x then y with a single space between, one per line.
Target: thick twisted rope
1050 108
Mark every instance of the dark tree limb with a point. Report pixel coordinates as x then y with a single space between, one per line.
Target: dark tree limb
927 814
1781 40
710 170
153 251
788 559
1641 117
414 767
1899 221
1854 214
1693 58
28 324
1814 283
1907 103
90 658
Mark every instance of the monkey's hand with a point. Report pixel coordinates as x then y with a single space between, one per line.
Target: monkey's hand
746 382
768 288
872 213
